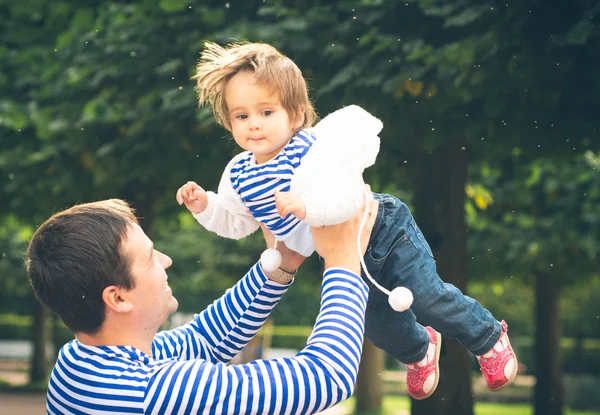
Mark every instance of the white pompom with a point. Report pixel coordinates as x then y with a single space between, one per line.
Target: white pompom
400 298
270 260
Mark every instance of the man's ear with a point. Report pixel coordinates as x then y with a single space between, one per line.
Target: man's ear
116 299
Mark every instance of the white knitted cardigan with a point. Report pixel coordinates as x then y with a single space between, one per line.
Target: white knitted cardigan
328 180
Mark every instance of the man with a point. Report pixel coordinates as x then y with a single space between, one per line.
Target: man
93 266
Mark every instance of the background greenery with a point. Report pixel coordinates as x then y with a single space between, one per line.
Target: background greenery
491 136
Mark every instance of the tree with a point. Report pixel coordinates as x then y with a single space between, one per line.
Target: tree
543 225
369 393
110 112
87 113
457 83
13 239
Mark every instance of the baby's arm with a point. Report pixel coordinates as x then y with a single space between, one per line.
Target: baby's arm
224 212
224 222
290 203
193 196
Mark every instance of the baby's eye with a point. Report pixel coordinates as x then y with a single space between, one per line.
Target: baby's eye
241 116
266 113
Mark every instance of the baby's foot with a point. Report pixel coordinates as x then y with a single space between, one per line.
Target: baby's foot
499 365
422 377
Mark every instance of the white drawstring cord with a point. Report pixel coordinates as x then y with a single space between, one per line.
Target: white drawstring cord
362 259
400 298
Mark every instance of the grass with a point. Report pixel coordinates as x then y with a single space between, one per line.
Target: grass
39 387
392 405
485 408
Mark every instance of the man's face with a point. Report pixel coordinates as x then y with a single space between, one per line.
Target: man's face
152 297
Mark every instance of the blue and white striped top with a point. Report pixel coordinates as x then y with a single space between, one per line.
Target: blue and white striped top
256 183
187 372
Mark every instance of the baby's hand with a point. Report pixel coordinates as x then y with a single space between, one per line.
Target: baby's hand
194 197
287 203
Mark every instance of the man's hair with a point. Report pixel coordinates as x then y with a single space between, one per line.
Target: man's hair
217 65
75 255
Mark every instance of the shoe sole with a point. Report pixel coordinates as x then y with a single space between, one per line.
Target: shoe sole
438 347
513 374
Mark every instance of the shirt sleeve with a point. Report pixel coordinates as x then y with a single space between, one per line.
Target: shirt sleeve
226 214
321 375
222 330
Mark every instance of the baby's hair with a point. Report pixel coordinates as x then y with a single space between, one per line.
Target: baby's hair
217 65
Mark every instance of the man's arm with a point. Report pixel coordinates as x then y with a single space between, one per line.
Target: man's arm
224 328
321 375
221 331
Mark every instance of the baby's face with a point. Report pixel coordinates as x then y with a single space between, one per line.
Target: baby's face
259 123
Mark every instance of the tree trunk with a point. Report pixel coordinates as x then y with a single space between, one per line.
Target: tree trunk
548 392
38 367
440 180
369 386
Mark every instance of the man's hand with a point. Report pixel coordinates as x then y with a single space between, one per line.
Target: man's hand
291 260
287 202
194 197
338 244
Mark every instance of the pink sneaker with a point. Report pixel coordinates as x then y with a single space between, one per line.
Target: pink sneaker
499 365
422 378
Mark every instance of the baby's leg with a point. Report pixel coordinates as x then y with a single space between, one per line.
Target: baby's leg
448 310
397 333
398 255
445 307
391 254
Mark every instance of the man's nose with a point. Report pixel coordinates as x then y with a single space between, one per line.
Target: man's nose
165 260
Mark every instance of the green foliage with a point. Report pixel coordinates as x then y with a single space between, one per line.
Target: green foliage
581 392
15 327
20 327
15 294
106 116
172 5
511 299
392 404
96 101
545 218
104 107
581 309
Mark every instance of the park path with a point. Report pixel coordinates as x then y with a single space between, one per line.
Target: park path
22 403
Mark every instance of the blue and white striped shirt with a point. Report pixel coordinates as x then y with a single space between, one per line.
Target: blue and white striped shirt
256 183
187 372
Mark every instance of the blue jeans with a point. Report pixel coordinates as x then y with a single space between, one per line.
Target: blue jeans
398 255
